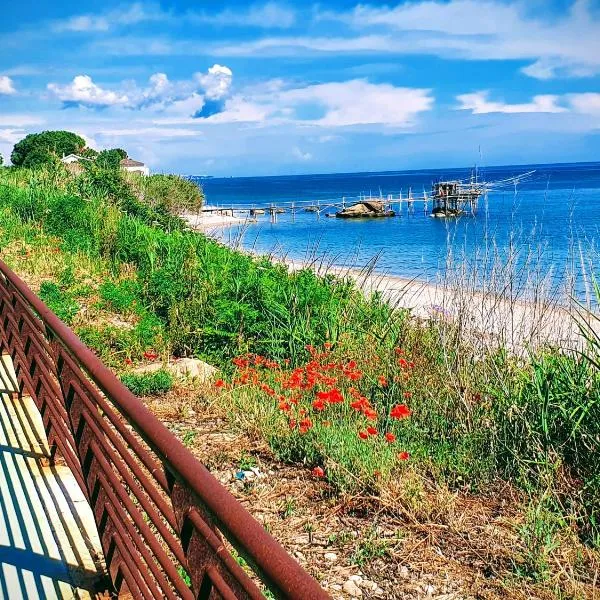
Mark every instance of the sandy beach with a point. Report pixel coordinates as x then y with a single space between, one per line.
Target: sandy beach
487 317
206 221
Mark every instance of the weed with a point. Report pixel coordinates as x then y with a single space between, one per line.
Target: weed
189 437
247 462
148 384
59 301
369 547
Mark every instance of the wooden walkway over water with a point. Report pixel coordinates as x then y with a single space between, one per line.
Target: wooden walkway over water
324 206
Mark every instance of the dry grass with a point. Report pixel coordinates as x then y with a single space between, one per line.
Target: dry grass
414 540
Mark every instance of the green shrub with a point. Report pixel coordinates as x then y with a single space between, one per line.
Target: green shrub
148 384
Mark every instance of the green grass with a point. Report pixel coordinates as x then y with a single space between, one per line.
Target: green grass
532 420
148 384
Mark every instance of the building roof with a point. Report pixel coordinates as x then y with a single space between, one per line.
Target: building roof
129 162
76 156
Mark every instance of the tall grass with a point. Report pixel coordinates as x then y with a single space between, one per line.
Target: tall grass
508 401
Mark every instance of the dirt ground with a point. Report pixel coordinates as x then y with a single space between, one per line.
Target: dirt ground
456 547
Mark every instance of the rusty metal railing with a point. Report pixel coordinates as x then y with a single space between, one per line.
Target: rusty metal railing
161 515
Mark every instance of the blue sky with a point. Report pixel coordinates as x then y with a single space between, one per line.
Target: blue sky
238 88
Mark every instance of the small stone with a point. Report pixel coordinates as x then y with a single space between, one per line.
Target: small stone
367 585
404 572
429 590
337 587
330 556
352 589
355 578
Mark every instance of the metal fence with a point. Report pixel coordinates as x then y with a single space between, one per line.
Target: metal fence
162 517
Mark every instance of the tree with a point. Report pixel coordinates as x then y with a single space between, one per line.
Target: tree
1 160
46 147
110 159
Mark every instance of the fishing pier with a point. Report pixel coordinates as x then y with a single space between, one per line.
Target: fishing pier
447 199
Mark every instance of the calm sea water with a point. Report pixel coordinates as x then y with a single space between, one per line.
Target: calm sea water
551 221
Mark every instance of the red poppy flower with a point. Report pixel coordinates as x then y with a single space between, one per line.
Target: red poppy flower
318 404
284 406
327 345
219 383
407 395
371 430
400 411
363 435
390 437
382 381
150 355
318 472
370 414
128 361
403 455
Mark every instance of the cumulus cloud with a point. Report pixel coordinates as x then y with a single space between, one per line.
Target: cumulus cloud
82 91
336 104
7 86
478 103
205 93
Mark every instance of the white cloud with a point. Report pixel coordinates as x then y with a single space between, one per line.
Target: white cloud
19 120
582 104
83 91
567 45
478 103
133 14
300 155
177 98
216 84
11 136
154 133
6 85
587 103
336 104
269 15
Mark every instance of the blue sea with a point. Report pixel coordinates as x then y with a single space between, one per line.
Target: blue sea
549 222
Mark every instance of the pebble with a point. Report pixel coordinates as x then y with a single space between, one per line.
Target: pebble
330 556
352 589
367 585
404 572
355 578
429 590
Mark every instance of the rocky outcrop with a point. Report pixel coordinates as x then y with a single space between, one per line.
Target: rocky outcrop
365 209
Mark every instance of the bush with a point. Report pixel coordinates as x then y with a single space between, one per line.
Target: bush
168 193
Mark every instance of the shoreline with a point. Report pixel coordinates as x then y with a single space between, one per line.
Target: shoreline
485 316
204 221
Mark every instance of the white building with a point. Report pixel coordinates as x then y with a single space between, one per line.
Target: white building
69 159
134 166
